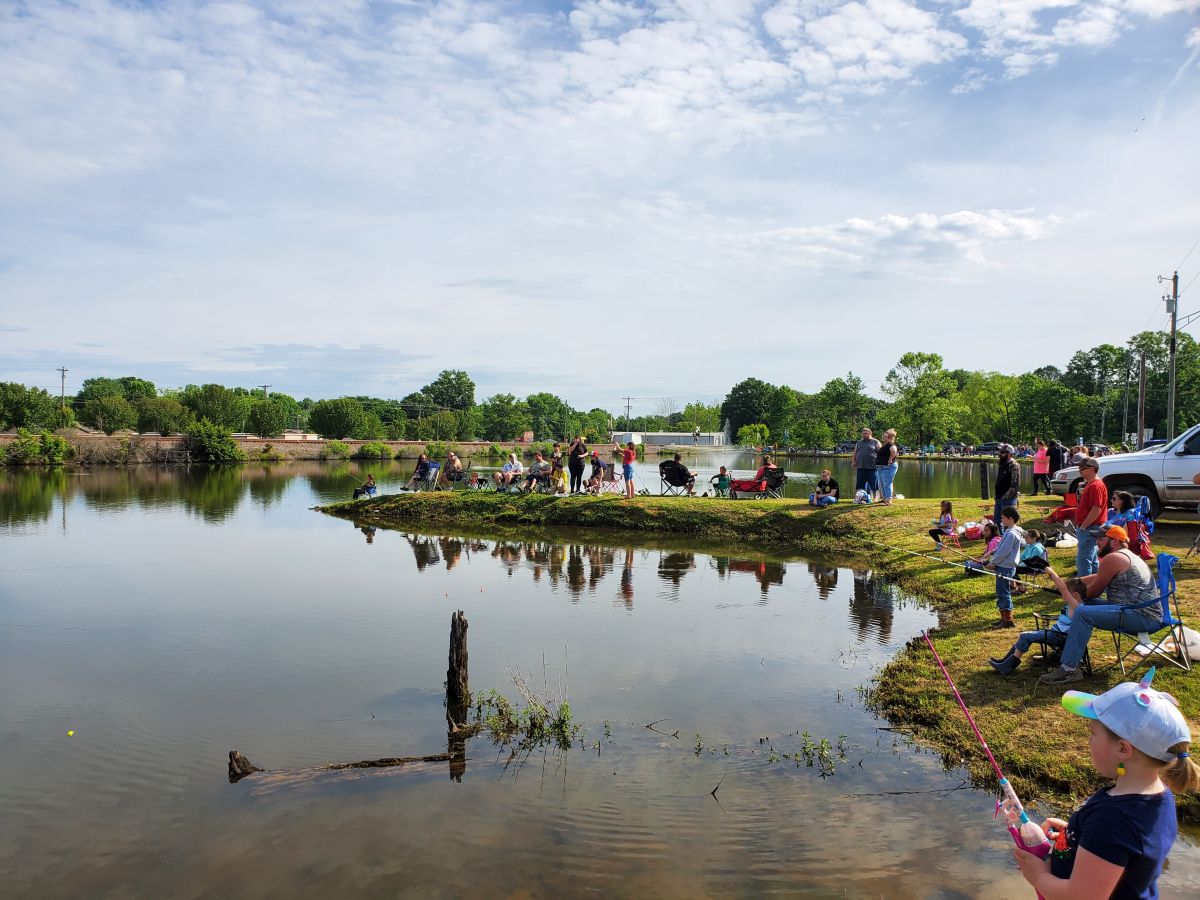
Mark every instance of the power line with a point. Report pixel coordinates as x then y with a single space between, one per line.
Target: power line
1189 253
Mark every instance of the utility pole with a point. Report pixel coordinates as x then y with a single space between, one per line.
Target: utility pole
1141 407
1125 414
62 391
264 387
628 404
1173 309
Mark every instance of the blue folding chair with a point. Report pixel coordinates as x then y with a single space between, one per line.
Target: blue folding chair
1149 644
429 482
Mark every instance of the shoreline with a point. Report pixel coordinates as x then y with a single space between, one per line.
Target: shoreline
1041 747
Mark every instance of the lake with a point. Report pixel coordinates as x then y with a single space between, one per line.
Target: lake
167 616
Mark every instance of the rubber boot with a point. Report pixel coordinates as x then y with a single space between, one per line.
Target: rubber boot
1006 619
1005 658
1007 666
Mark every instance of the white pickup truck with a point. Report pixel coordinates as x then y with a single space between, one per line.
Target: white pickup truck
1163 473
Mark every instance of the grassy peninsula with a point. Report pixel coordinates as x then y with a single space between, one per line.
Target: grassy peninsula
1041 746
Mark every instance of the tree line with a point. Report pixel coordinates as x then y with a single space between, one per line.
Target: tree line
1094 396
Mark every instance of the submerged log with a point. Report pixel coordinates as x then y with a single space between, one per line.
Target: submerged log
240 767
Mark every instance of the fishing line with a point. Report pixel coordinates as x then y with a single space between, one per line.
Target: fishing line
940 559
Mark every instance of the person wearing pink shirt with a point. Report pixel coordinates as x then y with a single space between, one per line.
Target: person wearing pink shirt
1041 467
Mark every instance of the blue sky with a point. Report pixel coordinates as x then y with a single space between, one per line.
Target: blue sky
596 199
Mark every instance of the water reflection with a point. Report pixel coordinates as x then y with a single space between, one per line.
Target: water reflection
872 605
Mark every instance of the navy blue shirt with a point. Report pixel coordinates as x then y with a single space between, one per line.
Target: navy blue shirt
1134 831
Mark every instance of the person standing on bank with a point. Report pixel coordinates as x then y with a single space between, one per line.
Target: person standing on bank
864 462
1008 482
1057 455
628 455
1090 522
886 466
576 454
1041 467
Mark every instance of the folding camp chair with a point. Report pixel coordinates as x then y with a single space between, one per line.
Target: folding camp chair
454 480
1169 632
671 482
775 480
611 481
429 482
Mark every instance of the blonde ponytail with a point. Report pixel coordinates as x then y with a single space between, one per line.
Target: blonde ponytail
1181 774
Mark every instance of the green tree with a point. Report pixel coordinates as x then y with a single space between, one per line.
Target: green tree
704 416
1047 409
110 413
370 429
747 402
452 389
133 388
989 402
22 407
845 407
339 418
94 388
782 410
504 417
211 443
268 418
438 426
164 415
925 401
220 405
552 417
753 435
418 405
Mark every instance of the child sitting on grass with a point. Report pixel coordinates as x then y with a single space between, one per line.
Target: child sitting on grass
991 534
1115 844
944 525
1055 636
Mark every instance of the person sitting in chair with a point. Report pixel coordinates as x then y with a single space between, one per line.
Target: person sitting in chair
421 473
1128 581
538 472
676 474
767 466
368 488
720 483
597 474
1055 637
452 471
509 472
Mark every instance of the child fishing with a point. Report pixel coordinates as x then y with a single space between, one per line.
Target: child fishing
1033 558
976 565
944 525
1115 844
1055 636
1004 561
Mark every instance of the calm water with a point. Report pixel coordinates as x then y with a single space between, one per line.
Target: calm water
168 617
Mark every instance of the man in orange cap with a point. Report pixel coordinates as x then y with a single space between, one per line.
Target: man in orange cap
1126 580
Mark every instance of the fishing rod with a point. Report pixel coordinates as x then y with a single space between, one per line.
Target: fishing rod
947 562
1027 834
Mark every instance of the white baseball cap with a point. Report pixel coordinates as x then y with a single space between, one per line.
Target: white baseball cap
1147 718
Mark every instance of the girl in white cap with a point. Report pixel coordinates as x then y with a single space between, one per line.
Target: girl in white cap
1115 844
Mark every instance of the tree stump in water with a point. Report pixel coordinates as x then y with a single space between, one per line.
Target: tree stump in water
240 767
458 696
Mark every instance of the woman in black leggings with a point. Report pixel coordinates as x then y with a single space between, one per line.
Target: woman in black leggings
577 454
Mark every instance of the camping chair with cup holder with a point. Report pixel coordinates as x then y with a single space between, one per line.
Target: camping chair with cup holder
430 481
1170 640
672 480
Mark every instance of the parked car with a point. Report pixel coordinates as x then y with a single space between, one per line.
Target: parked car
953 447
992 447
1163 473
844 447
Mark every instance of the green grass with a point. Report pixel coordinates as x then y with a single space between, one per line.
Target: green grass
1041 746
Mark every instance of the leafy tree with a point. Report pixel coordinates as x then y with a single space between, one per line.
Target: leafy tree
504 417
812 427
989 401
110 413
268 418
21 407
781 412
438 426
754 435
370 429
926 403
164 415
1047 409
747 402
552 417
468 423
845 407
95 388
1048 373
452 389
211 443
132 388
389 412
700 415
418 405
339 418
596 425
220 405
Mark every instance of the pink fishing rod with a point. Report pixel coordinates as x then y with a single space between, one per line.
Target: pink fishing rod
1027 833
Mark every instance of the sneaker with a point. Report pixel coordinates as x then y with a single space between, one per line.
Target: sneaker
1061 675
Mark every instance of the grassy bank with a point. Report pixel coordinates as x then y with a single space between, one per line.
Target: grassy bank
1043 747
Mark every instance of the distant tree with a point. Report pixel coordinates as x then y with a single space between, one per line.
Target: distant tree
552 417
132 388
1048 373
164 415
370 429
438 426
747 402
24 407
418 405
94 388
268 418
110 414
219 405
452 389
845 405
336 418
700 415
926 404
504 417
754 435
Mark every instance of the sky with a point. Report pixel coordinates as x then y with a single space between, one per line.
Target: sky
599 199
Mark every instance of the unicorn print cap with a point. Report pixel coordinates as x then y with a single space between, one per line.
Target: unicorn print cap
1148 719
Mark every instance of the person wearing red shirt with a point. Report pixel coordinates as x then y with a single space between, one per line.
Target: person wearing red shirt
1090 516
628 455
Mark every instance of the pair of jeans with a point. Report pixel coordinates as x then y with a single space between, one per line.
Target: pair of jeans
1004 587
864 480
1048 636
1001 505
884 476
822 501
1110 618
1087 561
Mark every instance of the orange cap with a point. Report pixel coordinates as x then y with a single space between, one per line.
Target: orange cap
1117 533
